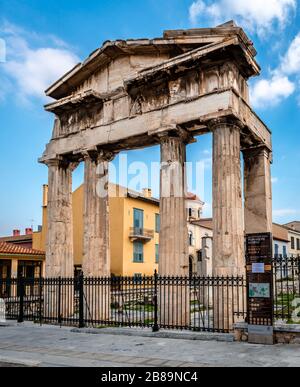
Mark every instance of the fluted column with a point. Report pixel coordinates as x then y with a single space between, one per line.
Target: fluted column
59 243
173 228
173 261
59 293
96 244
228 224
228 221
96 249
258 190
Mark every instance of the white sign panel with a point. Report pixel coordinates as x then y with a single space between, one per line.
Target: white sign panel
258 268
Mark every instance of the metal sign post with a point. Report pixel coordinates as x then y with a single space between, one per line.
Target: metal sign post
259 248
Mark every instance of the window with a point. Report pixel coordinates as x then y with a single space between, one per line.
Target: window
199 256
298 244
156 253
276 250
138 218
138 252
284 251
191 266
292 243
190 212
191 239
157 223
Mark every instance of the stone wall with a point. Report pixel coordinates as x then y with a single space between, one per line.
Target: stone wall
284 333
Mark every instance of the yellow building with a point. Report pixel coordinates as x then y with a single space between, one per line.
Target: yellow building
134 230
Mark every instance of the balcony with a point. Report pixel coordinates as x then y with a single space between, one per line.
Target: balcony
141 234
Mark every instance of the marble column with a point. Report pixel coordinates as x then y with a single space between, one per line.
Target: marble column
173 260
173 250
258 190
96 249
96 244
59 295
59 243
228 222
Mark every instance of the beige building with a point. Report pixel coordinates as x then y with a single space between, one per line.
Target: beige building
293 230
200 238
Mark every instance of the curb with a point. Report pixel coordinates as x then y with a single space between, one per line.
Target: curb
18 363
164 334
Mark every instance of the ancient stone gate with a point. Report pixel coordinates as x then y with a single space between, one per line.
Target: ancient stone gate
139 93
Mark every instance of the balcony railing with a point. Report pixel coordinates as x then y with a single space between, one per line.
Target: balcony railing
137 233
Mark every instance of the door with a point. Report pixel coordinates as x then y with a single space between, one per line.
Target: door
5 272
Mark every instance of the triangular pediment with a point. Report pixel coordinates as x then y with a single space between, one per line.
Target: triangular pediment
173 44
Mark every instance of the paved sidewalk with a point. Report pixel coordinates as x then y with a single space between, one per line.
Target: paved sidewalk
34 346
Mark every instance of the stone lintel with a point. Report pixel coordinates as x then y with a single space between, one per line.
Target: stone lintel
141 130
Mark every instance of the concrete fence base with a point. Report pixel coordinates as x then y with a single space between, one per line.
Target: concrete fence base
284 333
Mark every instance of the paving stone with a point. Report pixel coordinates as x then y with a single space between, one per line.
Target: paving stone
52 346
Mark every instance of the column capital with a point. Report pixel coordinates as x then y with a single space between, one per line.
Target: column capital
61 162
173 132
99 155
260 150
217 123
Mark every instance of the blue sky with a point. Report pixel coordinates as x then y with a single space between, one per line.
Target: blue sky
45 38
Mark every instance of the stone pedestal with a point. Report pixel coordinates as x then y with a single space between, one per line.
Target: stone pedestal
96 248
173 259
228 225
257 190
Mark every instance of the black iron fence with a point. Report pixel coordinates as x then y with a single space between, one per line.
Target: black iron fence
286 273
192 303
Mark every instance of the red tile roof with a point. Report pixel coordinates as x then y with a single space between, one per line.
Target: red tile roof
9 248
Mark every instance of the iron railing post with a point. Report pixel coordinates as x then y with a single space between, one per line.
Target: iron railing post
40 300
59 316
81 301
155 327
21 303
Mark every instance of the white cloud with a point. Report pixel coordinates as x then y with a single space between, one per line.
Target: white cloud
260 16
285 212
290 63
33 63
283 81
269 92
